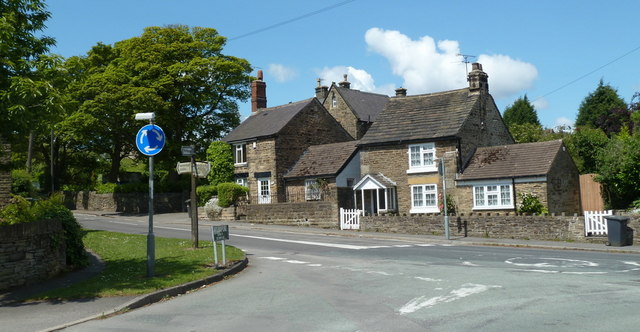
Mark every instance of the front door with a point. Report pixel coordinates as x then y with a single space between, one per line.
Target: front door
264 191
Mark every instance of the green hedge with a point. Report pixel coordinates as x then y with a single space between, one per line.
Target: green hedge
228 193
205 193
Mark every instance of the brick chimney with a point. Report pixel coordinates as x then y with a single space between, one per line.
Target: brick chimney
258 94
345 83
401 92
322 91
478 79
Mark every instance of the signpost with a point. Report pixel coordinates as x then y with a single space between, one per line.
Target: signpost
150 140
443 171
219 233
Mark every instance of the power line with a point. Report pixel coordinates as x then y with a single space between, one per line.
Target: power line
292 20
587 74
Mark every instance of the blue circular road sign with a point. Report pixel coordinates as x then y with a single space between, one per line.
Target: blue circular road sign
150 140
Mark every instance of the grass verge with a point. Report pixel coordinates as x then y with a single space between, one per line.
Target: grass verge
125 272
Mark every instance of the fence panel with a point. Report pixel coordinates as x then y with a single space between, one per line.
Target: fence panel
350 218
594 222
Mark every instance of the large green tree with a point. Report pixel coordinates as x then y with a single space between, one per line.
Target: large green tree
20 46
220 155
521 112
601 109
618 169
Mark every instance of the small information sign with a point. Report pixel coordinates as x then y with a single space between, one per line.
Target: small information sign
220 233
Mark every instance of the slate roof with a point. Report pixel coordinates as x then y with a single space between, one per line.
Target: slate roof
323 160
266 122
418 117
511 161
367 106
384 181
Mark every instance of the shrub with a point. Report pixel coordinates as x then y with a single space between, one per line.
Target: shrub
21 183
205 193
228 193
529 203
18 211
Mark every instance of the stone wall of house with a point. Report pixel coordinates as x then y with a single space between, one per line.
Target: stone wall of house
563 185
343 114
393 162
5 174
311 126
484 127
30 252
488 225
125 202
317 213
259 159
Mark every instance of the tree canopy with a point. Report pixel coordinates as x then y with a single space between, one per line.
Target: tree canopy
603 109
521 112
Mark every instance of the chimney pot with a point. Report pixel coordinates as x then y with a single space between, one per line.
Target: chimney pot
258 93
401 92
478 79
345 83
321 91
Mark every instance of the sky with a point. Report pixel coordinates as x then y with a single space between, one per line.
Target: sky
555 52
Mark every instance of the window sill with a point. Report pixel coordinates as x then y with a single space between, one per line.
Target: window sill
422 170
424 210
240 165
496 207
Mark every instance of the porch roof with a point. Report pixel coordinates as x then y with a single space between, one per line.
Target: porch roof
374 181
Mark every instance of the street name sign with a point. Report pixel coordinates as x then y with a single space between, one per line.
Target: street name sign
202 168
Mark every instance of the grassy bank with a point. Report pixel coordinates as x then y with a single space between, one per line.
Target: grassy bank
125 256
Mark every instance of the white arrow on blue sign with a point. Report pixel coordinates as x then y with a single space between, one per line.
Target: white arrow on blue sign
150 140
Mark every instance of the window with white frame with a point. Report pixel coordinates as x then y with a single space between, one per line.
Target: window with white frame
493 196
240 156
424 198
242 181
422 158
311 190
334 101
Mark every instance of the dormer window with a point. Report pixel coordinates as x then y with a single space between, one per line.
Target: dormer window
240 155
334 101
422 158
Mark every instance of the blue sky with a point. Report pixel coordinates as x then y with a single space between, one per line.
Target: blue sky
554 51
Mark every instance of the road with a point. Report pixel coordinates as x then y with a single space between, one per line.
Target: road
316 282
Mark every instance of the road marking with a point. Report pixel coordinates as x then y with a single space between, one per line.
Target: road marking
427 279
293 261
469 264
311 243
556 262
456 294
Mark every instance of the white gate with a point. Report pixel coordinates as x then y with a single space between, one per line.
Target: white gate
350 218
594 222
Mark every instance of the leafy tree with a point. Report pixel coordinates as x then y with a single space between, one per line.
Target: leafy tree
618 169
526 132
220 155
584 146
20 21
601 108
521 112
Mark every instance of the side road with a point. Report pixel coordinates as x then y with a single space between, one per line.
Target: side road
49 316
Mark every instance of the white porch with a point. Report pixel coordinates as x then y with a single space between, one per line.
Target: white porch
375 193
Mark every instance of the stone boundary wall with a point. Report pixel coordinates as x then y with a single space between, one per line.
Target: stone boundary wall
125 202
504 226
30 252
317 213
5 174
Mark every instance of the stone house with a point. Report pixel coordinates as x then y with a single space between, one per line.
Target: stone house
355 110
271 140
496 176
401 151
325 172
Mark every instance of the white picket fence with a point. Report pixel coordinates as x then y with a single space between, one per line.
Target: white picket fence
595 223
350 218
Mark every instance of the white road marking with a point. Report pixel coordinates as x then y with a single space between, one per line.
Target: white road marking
314 265
379 272
274 258
293 261
456 294
402 245
469 264
311 243
563 262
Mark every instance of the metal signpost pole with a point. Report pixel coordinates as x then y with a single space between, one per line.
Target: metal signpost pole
151 243
444 198
194 204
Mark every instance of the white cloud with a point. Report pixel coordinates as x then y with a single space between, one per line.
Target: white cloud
540 104
281 73
359 79
430 66
563 122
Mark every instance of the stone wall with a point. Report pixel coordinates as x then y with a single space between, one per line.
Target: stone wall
31 252
506 226
125 202
320 214
343 114
5 174
563 184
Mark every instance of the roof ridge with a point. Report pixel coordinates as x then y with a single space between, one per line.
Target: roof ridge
432 93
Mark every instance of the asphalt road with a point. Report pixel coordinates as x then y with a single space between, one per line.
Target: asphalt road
316 282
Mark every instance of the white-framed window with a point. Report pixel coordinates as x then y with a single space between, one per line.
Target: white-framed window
264 191
493 196
422 158
424 198
242 182
240 155
311 190
334 101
